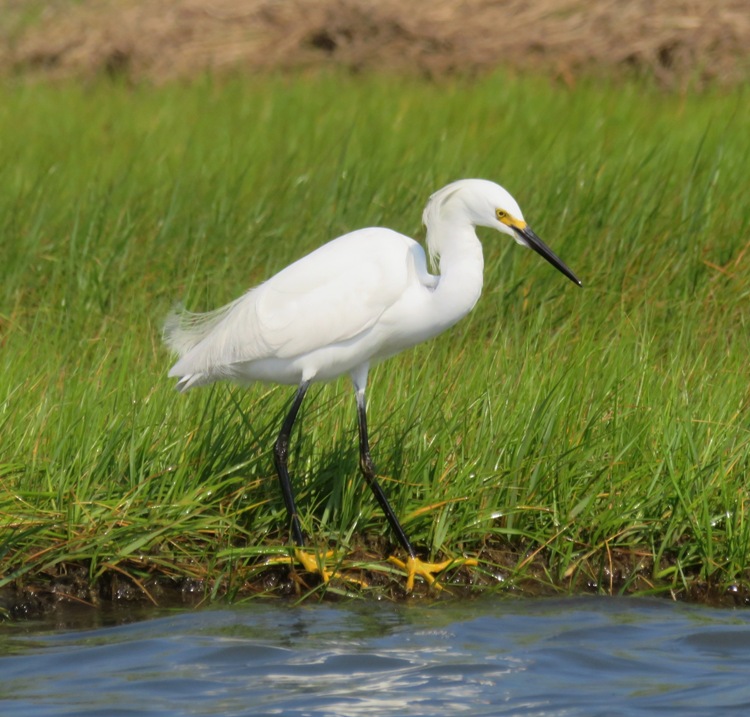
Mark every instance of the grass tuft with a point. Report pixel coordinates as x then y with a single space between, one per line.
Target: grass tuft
595 439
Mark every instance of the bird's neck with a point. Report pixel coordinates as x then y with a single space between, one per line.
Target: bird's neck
461 266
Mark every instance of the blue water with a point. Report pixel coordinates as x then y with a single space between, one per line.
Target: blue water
582 656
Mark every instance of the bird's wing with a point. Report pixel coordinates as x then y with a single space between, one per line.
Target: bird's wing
327 297
333 294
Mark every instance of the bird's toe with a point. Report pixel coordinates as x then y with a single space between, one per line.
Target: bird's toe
415 567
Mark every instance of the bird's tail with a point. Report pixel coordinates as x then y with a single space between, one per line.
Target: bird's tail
183 332
192 380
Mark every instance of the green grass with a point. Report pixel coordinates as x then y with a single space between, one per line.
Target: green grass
572 439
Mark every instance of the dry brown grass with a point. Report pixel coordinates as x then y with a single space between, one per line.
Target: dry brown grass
679 42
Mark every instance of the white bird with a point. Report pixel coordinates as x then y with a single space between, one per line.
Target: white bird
356 300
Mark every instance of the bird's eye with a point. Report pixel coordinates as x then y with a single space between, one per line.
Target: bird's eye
501 214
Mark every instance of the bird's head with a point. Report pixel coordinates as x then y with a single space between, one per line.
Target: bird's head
486 204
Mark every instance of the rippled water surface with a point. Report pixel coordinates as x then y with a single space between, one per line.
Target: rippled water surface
592 656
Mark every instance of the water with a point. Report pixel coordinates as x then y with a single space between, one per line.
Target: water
581 656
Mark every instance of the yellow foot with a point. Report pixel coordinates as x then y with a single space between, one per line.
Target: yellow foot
415 566
315 563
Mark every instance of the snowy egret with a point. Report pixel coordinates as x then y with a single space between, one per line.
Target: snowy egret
356 300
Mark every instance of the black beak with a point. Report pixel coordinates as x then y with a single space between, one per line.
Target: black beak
535 243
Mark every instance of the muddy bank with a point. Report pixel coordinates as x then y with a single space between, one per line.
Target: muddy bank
503 570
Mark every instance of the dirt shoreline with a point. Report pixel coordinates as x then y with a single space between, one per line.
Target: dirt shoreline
135 583
679 43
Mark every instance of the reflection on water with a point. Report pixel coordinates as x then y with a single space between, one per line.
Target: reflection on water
584 656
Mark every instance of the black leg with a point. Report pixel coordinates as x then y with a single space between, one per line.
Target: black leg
280 452
368 471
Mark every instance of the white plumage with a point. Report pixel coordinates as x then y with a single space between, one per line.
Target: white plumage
357 299
318 318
